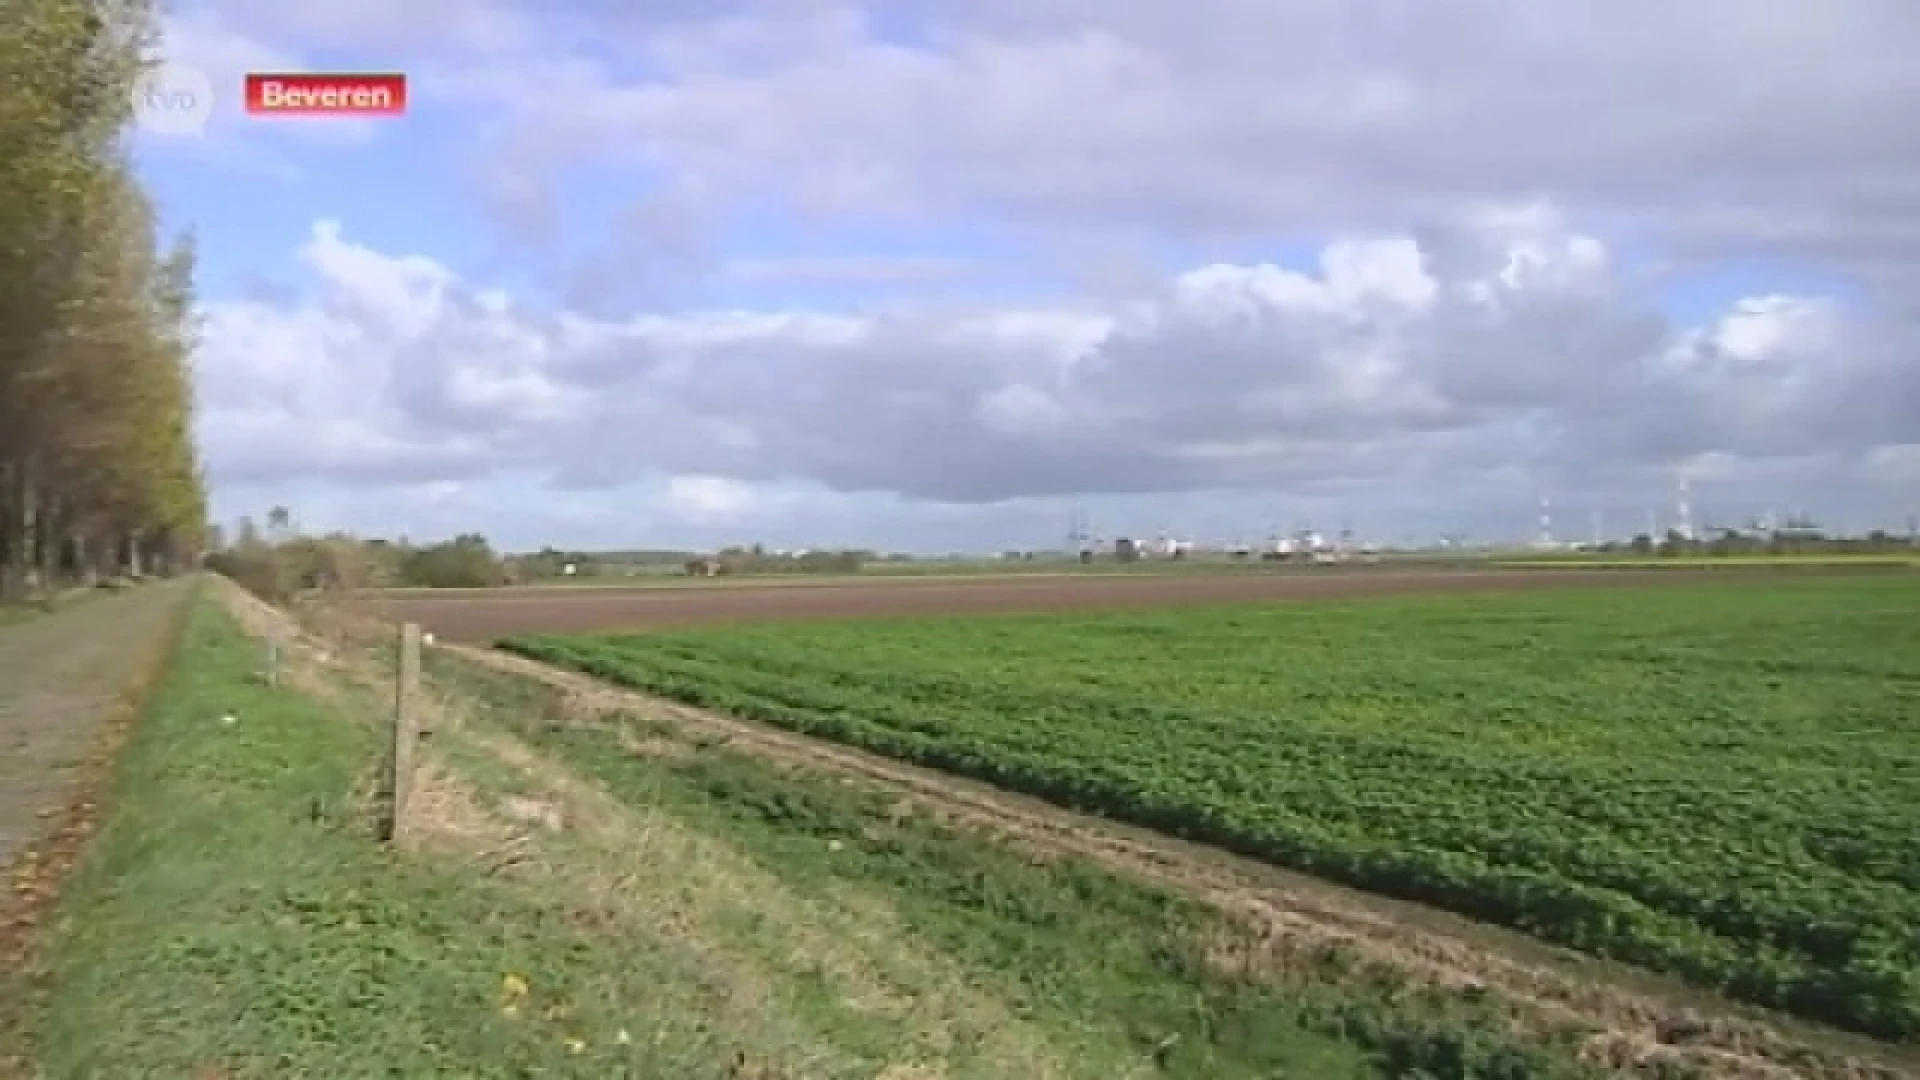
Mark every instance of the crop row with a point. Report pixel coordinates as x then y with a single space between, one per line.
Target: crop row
1720 783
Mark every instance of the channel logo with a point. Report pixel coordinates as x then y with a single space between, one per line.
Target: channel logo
173 99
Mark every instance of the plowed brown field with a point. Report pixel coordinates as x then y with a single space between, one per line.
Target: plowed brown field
478 616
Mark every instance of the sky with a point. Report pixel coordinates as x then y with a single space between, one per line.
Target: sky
935 276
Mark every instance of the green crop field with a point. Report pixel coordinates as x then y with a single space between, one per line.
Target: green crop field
1720 782
1909 561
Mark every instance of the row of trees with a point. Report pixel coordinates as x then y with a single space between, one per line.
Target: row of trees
280 561
98 468
757 560
1731 542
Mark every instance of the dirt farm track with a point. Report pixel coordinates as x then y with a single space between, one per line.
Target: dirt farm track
485 616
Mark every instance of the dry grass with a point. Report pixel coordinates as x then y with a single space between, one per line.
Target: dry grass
633 868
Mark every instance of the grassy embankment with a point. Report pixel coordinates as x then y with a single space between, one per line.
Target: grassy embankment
235 919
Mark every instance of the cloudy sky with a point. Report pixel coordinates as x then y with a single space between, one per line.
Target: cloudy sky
933 274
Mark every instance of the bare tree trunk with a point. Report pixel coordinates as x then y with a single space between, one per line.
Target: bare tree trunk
84 568
165 553
18 528
99 551
46 547
9 542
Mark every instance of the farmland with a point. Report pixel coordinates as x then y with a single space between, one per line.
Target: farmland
1829 562
1721 782
487 614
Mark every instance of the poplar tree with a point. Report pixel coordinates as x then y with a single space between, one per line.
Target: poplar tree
98 468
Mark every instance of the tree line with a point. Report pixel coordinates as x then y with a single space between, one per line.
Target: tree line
99 473
280 561
1802 540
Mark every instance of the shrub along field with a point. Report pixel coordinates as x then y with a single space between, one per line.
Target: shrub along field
1721 783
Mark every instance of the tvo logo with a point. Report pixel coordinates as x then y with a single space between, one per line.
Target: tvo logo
173 99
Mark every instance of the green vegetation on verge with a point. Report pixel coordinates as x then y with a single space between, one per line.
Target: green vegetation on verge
234 918
1136 978
1721 783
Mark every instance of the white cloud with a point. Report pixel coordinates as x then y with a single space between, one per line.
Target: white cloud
708 500
1383 374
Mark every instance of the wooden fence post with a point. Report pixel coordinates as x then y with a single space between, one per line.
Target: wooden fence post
406 729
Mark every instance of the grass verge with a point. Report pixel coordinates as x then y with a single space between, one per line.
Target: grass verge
233 919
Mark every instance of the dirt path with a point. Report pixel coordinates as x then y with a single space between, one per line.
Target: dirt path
61 677
1640 1020
70 683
